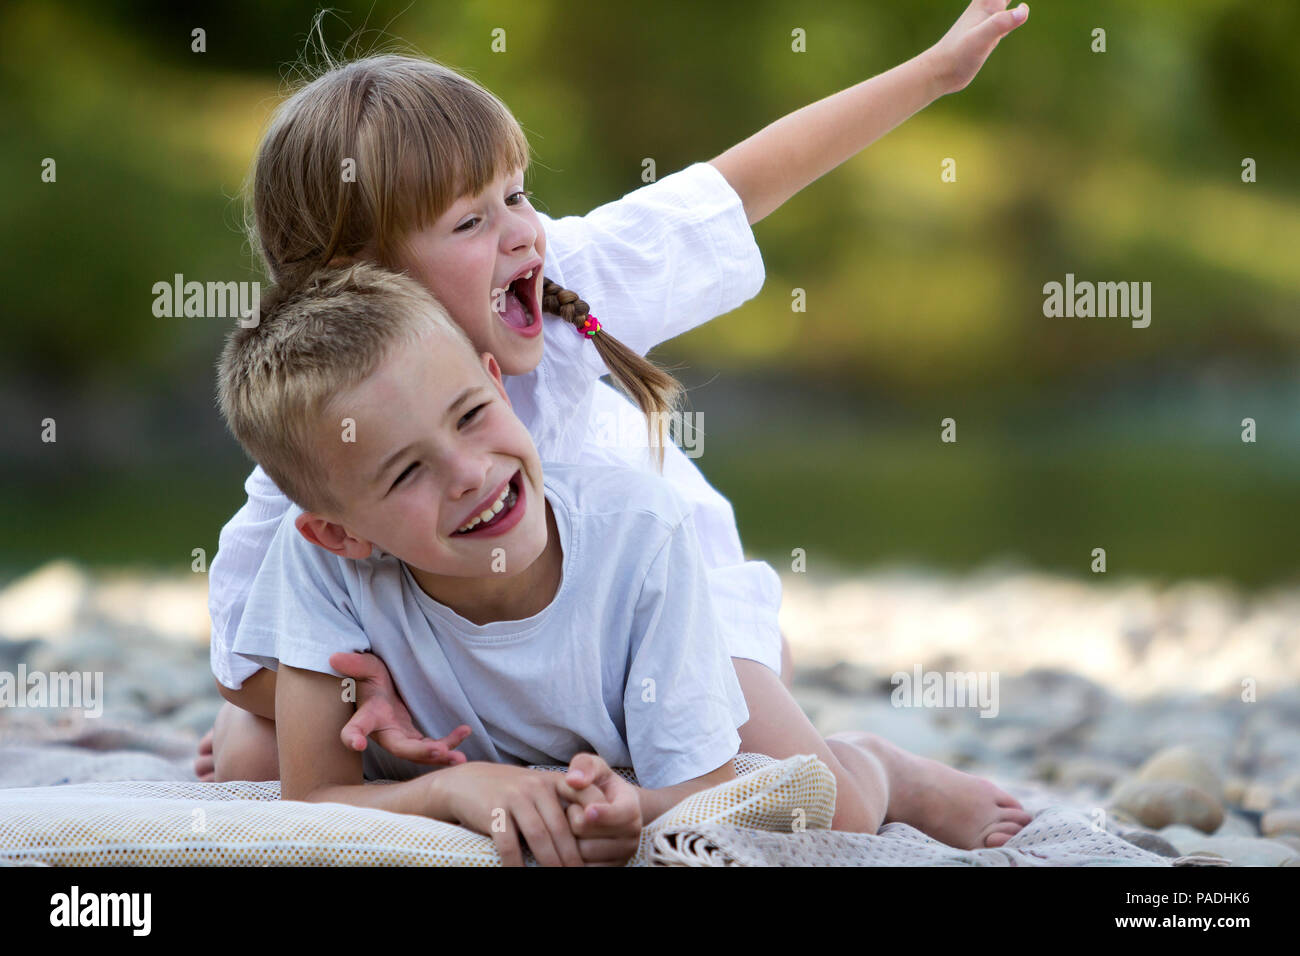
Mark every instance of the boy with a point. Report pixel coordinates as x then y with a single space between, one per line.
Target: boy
554 616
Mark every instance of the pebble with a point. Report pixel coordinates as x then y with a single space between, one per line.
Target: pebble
1236 824
1281 822
1088 772
1289 791
1159 803
1184 765
1257 797
1242 851
1151 841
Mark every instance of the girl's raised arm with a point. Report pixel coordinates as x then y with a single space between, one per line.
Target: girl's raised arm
779 160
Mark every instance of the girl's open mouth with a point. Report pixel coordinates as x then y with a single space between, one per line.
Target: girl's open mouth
502 514
523 309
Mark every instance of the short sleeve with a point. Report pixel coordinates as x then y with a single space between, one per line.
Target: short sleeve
300 609
682 702
663 259
240 551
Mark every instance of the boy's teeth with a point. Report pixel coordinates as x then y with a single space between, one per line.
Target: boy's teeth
487 513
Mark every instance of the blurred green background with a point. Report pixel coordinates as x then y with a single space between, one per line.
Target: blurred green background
924 298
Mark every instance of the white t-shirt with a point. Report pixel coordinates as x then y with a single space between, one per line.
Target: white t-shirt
625 662
664 259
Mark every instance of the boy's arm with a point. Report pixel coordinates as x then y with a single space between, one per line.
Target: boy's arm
316 767
655 803
310 710
781 159
609 834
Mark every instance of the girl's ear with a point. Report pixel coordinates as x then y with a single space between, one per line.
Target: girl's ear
333 537
494 372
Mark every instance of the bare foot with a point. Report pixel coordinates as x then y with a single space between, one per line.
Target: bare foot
205 765
953 807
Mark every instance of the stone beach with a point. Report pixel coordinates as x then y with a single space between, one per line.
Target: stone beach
1170 713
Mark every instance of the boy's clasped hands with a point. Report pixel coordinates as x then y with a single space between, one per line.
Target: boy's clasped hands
589 816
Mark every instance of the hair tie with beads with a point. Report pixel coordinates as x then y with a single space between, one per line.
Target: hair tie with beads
565 303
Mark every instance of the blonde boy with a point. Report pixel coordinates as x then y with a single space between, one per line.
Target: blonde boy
564 617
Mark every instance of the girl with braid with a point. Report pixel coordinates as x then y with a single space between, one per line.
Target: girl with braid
402 162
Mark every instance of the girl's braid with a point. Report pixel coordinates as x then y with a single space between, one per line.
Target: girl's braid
557 300
653 390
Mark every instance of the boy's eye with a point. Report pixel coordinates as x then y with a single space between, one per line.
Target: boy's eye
524 193
402 477
470 414
466 224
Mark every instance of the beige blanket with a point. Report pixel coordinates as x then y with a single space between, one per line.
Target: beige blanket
88 786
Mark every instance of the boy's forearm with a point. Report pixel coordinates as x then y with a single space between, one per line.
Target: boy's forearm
781 159
657 802
419 796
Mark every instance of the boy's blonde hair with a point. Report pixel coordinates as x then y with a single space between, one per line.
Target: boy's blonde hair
372 150
313 342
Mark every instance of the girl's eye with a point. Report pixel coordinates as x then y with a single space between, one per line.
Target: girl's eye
469 223
402 477
471 414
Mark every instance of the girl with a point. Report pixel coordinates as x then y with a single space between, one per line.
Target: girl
403 162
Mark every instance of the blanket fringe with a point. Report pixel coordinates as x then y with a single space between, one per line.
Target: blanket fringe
685 847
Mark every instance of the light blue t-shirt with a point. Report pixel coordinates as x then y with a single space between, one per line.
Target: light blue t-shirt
626 661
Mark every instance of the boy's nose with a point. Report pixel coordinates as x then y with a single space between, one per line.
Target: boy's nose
469 481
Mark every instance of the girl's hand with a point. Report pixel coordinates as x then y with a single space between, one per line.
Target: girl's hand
505 802
964 48
604 811
382 715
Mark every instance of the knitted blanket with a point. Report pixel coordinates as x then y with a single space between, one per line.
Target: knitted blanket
88 800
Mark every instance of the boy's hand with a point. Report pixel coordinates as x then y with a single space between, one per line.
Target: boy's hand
506 802
964 48
382 715
604 811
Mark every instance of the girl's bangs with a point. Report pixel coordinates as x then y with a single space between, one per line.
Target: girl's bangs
448 144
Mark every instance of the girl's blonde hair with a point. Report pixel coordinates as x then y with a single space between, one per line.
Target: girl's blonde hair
416 137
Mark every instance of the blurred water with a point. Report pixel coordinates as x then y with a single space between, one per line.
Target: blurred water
1152 469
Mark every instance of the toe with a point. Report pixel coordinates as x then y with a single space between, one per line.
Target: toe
996 839
1000 833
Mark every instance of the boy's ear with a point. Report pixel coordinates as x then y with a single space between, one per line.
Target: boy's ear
494 372
333 537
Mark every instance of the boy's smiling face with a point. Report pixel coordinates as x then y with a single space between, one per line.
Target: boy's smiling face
474 260
436 447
